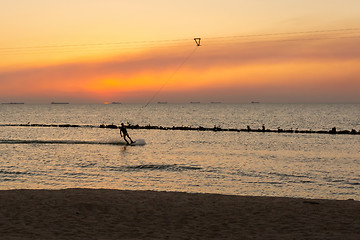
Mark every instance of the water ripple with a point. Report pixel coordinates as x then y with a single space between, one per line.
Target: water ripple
156 167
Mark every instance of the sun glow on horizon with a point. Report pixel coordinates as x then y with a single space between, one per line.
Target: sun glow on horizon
283 56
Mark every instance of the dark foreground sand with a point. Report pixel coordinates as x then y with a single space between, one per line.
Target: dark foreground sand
113 214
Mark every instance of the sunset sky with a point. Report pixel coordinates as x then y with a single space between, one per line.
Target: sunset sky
131 51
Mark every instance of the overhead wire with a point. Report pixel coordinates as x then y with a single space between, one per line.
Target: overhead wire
347 33
279 40
73 47
96 48
252 38
289 33
90 44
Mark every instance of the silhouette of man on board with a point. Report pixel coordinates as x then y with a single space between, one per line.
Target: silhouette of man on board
124 133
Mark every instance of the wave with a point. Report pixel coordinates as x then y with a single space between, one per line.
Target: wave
164 167
12 141
13 172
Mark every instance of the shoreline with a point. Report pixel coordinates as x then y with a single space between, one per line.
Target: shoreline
124 214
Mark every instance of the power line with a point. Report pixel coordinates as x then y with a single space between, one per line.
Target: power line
289 33
93 44
92 49
286 39
174 42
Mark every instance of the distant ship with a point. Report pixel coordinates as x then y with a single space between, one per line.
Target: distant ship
215 102
194 102
162 102
59 103
14 103
116 103
254 102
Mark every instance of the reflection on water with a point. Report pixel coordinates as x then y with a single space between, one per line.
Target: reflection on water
296 165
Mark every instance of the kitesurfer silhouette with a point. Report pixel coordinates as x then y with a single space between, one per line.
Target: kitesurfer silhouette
124 133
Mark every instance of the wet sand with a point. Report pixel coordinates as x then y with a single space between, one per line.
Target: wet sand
115 214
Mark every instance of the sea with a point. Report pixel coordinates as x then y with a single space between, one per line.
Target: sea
37 154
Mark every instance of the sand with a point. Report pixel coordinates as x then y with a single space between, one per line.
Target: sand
115 214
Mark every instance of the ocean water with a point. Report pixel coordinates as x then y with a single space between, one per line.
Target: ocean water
237 163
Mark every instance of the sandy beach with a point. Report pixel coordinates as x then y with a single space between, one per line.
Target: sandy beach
116 214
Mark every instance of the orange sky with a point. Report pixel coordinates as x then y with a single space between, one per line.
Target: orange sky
110 60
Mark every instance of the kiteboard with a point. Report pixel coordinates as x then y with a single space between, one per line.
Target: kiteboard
138 142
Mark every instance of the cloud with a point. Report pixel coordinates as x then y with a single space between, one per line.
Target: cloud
239 65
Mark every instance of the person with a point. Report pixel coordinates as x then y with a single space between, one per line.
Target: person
124 133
